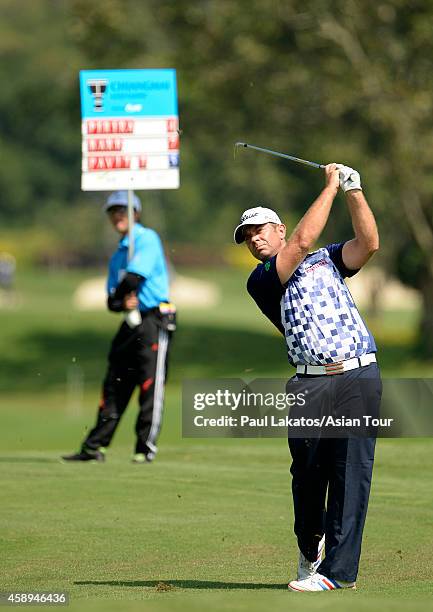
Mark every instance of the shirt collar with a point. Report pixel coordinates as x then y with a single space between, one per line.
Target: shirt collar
124 242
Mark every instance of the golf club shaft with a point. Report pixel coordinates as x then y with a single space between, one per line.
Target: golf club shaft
277 154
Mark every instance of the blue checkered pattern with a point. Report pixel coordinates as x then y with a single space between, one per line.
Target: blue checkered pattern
320 319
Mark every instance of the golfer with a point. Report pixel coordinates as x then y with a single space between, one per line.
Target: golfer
303 293
138 354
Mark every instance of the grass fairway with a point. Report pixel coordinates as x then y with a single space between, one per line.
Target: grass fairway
208 526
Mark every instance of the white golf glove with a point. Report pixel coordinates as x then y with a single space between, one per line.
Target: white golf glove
349 178
133 318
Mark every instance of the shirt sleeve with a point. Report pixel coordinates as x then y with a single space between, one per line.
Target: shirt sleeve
335 251
265 278
129 283
266 289
147 250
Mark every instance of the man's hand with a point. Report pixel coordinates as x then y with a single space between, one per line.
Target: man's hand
130 301
332 176
349 178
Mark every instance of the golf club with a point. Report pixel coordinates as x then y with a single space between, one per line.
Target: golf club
277 154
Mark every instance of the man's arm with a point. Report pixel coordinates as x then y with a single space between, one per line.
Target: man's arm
309 228
124 298
357 252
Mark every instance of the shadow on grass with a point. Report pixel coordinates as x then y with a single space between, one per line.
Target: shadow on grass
167 585
27 460
43 359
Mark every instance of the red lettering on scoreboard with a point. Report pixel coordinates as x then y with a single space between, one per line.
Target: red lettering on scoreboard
142 161
108 162
110 126
172 125
104 144
173 141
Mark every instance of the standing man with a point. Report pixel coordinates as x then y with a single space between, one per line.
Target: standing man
138 354
303 293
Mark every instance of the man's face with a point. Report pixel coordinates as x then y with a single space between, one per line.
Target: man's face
118 216
264 241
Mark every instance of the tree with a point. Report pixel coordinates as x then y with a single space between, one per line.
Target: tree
39 109
343 81
360 81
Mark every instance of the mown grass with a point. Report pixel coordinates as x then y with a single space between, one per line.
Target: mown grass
209 524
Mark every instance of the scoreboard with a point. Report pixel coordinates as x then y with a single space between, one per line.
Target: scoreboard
130 129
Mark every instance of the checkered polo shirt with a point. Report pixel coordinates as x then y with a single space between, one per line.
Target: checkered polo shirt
314 310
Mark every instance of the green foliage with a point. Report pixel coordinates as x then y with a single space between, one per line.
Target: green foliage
411 265
39 127
348 81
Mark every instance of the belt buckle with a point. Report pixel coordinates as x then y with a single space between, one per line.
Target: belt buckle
334 368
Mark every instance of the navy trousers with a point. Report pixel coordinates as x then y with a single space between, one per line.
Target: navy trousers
332 476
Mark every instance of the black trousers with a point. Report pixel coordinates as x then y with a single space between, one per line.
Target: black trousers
332 476
138 357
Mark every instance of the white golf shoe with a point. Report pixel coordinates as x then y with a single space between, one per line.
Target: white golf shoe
318 583
306 568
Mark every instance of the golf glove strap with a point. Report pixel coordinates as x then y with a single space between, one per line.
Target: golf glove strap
349 178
